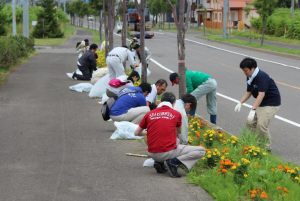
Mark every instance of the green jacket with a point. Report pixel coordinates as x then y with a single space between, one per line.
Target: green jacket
194 79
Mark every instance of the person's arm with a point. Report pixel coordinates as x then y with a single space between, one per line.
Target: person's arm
138 131
245 97
131 59
178 129
258 100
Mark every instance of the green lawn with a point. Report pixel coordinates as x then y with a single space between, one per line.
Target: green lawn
69 30
95 35
254 44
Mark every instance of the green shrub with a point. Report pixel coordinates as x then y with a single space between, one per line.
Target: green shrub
294 30
13 48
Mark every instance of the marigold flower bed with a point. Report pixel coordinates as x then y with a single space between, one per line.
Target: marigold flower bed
239 168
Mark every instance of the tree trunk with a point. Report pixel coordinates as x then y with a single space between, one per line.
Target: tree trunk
111 23
106 26
100 25
142 40
124 21
264 24
181 48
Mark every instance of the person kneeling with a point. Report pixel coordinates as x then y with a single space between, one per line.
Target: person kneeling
163 127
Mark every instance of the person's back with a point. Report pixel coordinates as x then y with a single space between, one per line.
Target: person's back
88 59
121 52
194 79
162 124
129 97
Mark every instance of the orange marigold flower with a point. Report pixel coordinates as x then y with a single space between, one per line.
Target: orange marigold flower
198 133
280 167
223 170
264 195
252 195
285 190
279 188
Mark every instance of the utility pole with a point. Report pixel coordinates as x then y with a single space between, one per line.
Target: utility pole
25 18
225 17
14 24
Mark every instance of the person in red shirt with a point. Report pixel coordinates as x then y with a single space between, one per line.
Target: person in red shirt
163 127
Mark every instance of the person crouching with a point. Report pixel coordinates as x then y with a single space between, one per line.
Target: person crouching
163 127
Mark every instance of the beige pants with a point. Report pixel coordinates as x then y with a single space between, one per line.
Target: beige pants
262 120
133 115
186 154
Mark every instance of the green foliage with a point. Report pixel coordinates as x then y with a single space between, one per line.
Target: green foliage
244 171
13 48
280 24
2 27
7 14
47 25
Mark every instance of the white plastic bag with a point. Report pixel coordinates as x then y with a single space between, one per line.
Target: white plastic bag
100 72
125 130
81 87
148 162
100 87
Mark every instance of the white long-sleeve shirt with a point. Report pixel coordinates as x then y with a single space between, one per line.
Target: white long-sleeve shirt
124 54
179 106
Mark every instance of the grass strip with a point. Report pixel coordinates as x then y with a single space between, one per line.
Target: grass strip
69 31
236 169
271 48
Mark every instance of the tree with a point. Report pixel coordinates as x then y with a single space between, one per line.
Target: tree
47 25
97 6
111 23
124 22
265 9
2 27
181 25
141 10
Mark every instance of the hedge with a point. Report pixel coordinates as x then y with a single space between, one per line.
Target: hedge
13 48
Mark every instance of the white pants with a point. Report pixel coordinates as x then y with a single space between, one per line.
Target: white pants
115 67
133 115
186 154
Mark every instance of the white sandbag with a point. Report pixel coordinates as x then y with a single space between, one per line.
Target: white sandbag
100 87
139 70
100 72
104 98
148 162
81 87
125 130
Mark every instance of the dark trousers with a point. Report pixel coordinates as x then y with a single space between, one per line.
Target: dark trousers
86 73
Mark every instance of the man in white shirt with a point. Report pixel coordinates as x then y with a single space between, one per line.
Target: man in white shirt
184 105
157 89
115 59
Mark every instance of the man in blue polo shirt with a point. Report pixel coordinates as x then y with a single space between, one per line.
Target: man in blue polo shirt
131 104
267 98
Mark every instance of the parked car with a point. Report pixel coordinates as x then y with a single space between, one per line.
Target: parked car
91 18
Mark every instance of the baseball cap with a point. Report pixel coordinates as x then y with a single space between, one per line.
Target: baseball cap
173 77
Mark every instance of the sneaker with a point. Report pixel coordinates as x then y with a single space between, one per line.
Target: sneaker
160 167
70 75
74 76
172 168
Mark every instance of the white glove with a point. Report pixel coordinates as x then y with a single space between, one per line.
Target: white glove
238 107
251 115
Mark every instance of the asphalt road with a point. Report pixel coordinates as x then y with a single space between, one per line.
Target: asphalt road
54 145
222 62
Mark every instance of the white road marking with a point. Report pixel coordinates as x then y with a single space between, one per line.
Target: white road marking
245 55
222 95
232 99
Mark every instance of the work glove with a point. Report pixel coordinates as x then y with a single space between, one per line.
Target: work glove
238 107
251 115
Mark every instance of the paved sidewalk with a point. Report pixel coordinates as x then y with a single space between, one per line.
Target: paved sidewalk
54 145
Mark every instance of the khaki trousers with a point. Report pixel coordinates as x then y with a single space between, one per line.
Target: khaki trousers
133 115
262 120
188 155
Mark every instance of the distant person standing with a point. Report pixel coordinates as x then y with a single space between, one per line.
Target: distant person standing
267 99
199 84
115 59
86 64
